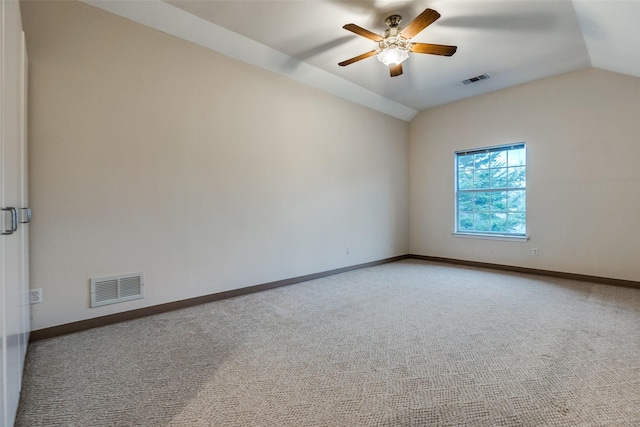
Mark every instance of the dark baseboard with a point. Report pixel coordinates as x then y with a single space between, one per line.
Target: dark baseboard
548 273
95 322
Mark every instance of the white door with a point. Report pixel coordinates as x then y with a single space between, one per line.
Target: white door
14 310
3 344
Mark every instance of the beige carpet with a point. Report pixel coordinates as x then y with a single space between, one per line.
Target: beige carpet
405 344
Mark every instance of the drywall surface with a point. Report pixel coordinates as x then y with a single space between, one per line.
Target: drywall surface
151 154
583 180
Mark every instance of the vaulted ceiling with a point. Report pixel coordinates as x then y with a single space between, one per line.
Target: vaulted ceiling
513 42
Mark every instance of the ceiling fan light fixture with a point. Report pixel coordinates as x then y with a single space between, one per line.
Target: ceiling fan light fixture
393 55
395 43
394 49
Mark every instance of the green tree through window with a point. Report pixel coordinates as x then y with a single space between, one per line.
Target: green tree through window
491 190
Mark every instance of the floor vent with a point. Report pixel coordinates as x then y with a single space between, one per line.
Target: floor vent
476 79
113 289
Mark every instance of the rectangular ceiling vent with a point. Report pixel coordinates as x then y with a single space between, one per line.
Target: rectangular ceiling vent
476 79
112 289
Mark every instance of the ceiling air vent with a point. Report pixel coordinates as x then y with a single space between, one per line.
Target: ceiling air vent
475 79
112 289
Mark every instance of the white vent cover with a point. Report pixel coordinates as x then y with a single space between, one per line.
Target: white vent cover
112 289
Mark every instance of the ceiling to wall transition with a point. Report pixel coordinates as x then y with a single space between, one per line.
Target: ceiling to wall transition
514 42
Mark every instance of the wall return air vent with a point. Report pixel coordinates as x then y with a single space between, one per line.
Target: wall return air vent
113 289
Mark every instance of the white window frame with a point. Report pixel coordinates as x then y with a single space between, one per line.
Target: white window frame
488 234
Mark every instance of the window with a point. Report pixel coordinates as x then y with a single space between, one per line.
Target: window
491 191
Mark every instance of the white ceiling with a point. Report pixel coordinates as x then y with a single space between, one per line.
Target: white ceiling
514 42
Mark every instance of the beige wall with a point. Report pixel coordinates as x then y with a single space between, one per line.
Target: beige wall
583 198
152 154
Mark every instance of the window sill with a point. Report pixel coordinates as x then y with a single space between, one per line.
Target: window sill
504 237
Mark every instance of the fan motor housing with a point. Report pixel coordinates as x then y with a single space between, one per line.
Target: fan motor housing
393 21
393 39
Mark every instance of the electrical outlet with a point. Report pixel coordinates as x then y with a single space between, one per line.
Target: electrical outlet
534 251
348 250
35 296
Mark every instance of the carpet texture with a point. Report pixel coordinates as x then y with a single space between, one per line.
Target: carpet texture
411 343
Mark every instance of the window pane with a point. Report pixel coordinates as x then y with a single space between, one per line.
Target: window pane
516 157
491 190
517 201
499 222
516 223
465 180
498 178
482 222
481 179
482 160
465 162
481 201
465 202
465 221
498 159
498 201
517 177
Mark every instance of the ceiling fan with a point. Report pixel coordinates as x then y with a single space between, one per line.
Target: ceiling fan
395 44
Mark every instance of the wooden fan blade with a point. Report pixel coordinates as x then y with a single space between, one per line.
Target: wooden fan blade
434 49
395 70
357 58
362 32
422 21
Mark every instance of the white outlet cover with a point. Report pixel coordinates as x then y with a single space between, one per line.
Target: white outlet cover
35 296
